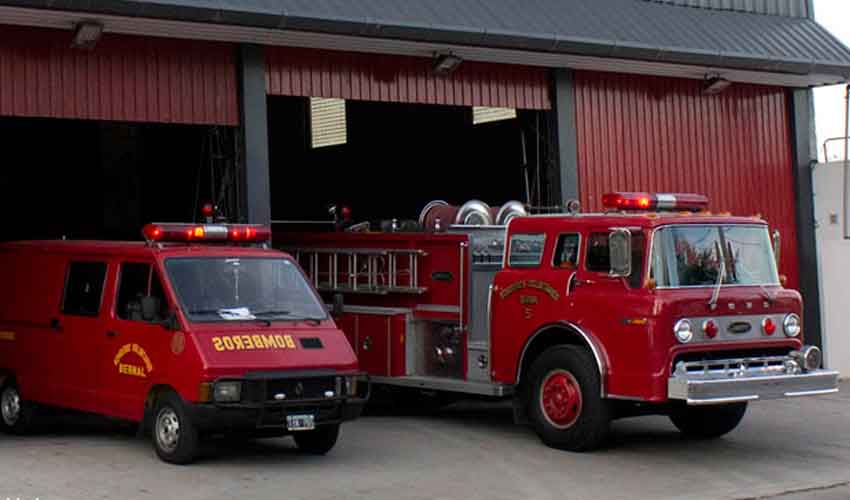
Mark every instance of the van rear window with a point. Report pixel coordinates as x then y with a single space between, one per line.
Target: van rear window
84 288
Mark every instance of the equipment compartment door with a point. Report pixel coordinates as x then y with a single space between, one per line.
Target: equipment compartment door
373 334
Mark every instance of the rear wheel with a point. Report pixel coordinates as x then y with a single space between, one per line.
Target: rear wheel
318 441
564 400
174 435
16 414
707 422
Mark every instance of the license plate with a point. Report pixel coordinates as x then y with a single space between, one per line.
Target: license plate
300 422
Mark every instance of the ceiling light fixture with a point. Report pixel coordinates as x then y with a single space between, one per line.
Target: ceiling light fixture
87 34
714 84
445 64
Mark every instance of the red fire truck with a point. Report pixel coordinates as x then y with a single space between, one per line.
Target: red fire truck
653 307
187 337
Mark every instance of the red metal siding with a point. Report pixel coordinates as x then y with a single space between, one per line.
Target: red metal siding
123 79
639 133
369 77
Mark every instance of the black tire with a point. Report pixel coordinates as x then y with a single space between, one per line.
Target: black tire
16 413
173 445
570 423
319 441
707 422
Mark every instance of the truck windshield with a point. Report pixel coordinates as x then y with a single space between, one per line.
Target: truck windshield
689 255
242 289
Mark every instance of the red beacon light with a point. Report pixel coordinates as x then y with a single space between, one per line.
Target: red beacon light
655 201
221 233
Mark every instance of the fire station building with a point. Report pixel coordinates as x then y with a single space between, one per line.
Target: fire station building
114 114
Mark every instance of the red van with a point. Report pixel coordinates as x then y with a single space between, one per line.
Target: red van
185 337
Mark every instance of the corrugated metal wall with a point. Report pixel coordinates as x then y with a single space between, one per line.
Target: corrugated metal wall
639 133
790 8
122 79
386 78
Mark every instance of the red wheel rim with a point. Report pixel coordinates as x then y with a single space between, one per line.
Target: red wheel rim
560 398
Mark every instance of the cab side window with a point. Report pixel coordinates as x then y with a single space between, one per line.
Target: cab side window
526 250
84 288
598 255
566 251
140 294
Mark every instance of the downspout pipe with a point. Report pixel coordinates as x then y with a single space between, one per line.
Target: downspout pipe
847 164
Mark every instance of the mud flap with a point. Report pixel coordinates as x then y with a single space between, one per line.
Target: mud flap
520 411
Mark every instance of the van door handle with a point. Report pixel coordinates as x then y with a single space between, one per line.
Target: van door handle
54 323
111 334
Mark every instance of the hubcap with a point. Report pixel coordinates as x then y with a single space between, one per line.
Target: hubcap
10 406
560 399
167 430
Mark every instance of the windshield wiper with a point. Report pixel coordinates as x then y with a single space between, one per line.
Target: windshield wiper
715 295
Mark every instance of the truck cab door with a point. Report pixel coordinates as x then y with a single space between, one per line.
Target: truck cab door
137 347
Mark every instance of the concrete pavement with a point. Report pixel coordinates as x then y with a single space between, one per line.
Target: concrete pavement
790 450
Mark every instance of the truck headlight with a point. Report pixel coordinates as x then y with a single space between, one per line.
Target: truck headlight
683 330
227 392
791 325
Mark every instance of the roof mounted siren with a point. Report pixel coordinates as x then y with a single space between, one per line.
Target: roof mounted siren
672 202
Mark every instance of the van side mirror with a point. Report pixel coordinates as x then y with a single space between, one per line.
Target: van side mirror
777 246
150 308
620 252
338 308
170 322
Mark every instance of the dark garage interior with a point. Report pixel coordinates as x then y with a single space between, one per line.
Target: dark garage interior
398 157
88 179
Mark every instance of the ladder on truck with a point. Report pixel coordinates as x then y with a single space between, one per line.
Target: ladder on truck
362 270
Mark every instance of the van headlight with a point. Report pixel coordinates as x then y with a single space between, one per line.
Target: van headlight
791 325
227 392
683 331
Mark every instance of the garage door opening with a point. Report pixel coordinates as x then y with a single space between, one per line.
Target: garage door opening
86 179
388 160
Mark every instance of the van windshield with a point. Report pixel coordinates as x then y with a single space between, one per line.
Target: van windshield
690 255
242 289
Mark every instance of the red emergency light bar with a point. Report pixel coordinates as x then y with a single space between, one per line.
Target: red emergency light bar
236 233
655 201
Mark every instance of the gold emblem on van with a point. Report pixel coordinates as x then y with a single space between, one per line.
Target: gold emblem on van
133 370
252 342
10 336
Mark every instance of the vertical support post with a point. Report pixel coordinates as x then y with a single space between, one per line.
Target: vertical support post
801 122
564 129
254 137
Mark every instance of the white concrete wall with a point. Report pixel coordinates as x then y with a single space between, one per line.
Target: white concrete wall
834 263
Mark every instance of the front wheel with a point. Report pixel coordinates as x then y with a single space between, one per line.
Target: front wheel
319 441
175 437
708 422
16 414
565 400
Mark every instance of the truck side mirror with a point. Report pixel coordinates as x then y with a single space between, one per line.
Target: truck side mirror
620 252
338 308
777 246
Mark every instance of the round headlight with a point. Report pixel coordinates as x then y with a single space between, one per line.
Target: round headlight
812 357
683 331
791 325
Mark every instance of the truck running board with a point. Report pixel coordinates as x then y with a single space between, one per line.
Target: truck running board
447 384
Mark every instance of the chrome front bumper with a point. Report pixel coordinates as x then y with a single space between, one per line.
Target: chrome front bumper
750 379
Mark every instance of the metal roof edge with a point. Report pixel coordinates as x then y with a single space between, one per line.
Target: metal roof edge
213 13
